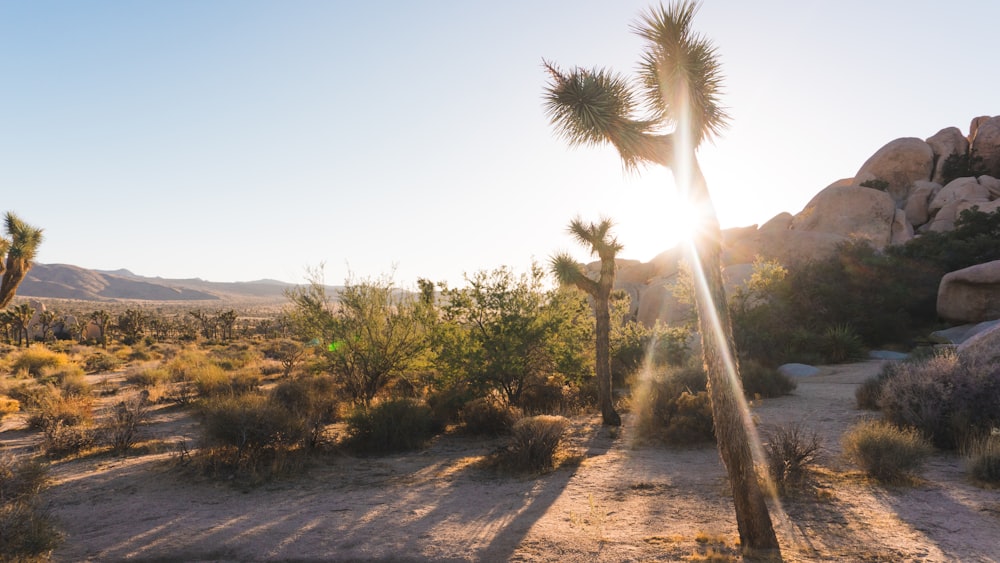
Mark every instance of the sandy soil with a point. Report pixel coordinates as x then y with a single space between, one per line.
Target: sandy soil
623 502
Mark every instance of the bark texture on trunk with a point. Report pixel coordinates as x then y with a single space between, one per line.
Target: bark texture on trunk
605 389
726 394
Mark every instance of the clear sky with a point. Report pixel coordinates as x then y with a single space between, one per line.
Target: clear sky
238 140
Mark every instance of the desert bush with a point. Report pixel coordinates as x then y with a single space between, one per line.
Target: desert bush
674 407
8 406
446 402
313 399
790 452
27 530
484 416
101 361
61 439
765 382
147 375
545 397
212 381
840 343
121 428
36 358
248 434
950 400
983 459
533 444
235 357
49 405
885 451
869 394
186 364
394 425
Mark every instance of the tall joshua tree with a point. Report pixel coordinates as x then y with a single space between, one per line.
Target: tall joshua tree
570 272
679 88
17 250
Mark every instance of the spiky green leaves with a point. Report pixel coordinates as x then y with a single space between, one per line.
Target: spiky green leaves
680 71
23 238
597 236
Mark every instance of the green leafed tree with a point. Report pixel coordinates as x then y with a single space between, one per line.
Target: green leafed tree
17 251
504 333
674 107
596 236
373 334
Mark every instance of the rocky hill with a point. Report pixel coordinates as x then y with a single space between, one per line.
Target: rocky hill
908 187
62 281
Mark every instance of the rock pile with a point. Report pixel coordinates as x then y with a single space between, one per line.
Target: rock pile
903 190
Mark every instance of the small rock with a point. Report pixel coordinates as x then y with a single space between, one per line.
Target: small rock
798 370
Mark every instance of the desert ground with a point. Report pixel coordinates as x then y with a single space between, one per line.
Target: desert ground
619 501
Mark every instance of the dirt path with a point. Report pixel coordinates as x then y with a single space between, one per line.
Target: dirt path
621 503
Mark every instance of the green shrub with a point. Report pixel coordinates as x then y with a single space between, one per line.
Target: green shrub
313 399
765 382
840 343
790 452
674 407
147 376
27 531
983 459
101 361
487 417
884 451
949 400
394 425
446 402
542 398
534 442
248 435
36 358
212 381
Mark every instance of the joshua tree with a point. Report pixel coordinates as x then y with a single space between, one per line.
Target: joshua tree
47 319
102 319
21 316
570 272
680 83
17 250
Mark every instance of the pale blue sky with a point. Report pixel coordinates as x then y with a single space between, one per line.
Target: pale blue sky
238 140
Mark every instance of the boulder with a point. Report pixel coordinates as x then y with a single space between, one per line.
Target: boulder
944 219
917 203
902 230
900 163
780 222
887 355
988 207
798 370
991 184
974 126
850 212
961 333
986 144
739 245
946 142
970 295
791 247
959 189
982 348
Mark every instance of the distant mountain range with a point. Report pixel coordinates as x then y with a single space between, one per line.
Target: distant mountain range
62 281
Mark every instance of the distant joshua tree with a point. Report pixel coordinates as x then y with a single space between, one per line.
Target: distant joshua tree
17 250
570 272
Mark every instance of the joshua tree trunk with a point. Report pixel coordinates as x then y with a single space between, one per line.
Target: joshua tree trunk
731 431
605 389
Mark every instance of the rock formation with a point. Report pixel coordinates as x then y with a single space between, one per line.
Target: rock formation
900 192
